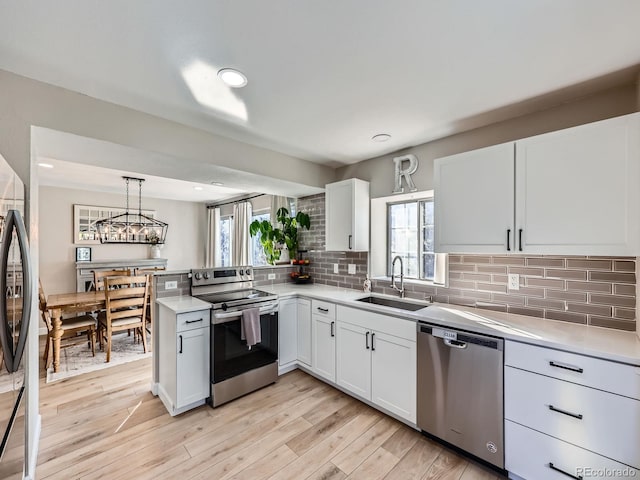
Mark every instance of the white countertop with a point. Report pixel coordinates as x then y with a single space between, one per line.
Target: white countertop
183 304
607 343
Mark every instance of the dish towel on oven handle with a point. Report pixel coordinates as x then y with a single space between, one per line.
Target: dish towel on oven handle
250 326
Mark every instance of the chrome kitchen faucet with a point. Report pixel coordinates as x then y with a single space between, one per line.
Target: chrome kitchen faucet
393 278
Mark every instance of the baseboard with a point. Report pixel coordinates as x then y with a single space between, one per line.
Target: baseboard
290 367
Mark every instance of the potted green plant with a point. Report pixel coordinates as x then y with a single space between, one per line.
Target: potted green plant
273 239
290 228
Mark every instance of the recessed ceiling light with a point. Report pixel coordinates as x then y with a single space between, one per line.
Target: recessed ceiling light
45 165
197 188
232 77
381 137
217 184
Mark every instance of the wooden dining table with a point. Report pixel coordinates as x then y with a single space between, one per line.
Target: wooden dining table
61 303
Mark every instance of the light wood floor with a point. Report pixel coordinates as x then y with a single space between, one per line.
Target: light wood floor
108 425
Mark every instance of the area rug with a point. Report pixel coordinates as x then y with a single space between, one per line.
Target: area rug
11 382
77 359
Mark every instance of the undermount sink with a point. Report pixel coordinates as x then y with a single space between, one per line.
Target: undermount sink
390 302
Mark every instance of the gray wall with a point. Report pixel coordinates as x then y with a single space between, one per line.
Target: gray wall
184 248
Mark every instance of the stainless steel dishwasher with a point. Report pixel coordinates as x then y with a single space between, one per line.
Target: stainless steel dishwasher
460 390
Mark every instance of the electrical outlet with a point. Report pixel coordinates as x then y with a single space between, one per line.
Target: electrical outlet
352 269
271 276
171 285
514 281
335 268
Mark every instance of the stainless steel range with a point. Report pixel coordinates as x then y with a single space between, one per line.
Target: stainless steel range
236 368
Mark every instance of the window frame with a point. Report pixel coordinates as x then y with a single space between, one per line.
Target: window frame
254 214
420 253
223 218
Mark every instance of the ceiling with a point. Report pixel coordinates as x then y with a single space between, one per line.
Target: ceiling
324 77
90 164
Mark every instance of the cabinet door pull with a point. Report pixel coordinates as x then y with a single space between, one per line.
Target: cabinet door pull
194 321
332 332
350 237
508 239
553 467
180 337
564 412
366 342
373 347
324 310
566 367
520 239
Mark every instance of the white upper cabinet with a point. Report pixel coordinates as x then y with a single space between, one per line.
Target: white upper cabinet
347 216
570 192
577 189
473 194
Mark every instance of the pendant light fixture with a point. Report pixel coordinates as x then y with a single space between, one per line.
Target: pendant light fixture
132 227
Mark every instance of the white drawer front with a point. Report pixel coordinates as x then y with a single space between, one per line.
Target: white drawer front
191 320
598 421
593 372
325 309
530 454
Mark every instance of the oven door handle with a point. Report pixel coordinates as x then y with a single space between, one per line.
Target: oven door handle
227 317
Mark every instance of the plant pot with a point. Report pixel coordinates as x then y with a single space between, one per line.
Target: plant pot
154 251
284 256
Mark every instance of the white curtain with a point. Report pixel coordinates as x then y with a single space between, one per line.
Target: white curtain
241 239
212 254
277 203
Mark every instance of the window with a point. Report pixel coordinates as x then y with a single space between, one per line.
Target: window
411 237
257 250
226 229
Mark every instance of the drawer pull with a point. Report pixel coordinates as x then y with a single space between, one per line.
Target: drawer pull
194 321
559 470
566 367
564 412
324 310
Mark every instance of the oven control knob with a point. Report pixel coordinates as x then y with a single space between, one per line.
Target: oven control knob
206 275
224 307
198 276
241 272
247 271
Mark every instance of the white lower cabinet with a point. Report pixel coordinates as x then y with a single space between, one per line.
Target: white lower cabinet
562 419
353 359
287 332
393 381
184 340
378 365
533 455
192 366
304 337
324 347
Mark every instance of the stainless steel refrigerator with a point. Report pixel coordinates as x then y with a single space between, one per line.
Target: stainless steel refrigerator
15 306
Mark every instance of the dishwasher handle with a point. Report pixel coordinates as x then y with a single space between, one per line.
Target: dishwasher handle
454 343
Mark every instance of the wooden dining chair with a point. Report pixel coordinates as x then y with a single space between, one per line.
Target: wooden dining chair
126 308
150 272
72 329
100 275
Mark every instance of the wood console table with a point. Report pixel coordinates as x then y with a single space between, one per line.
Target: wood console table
84 270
